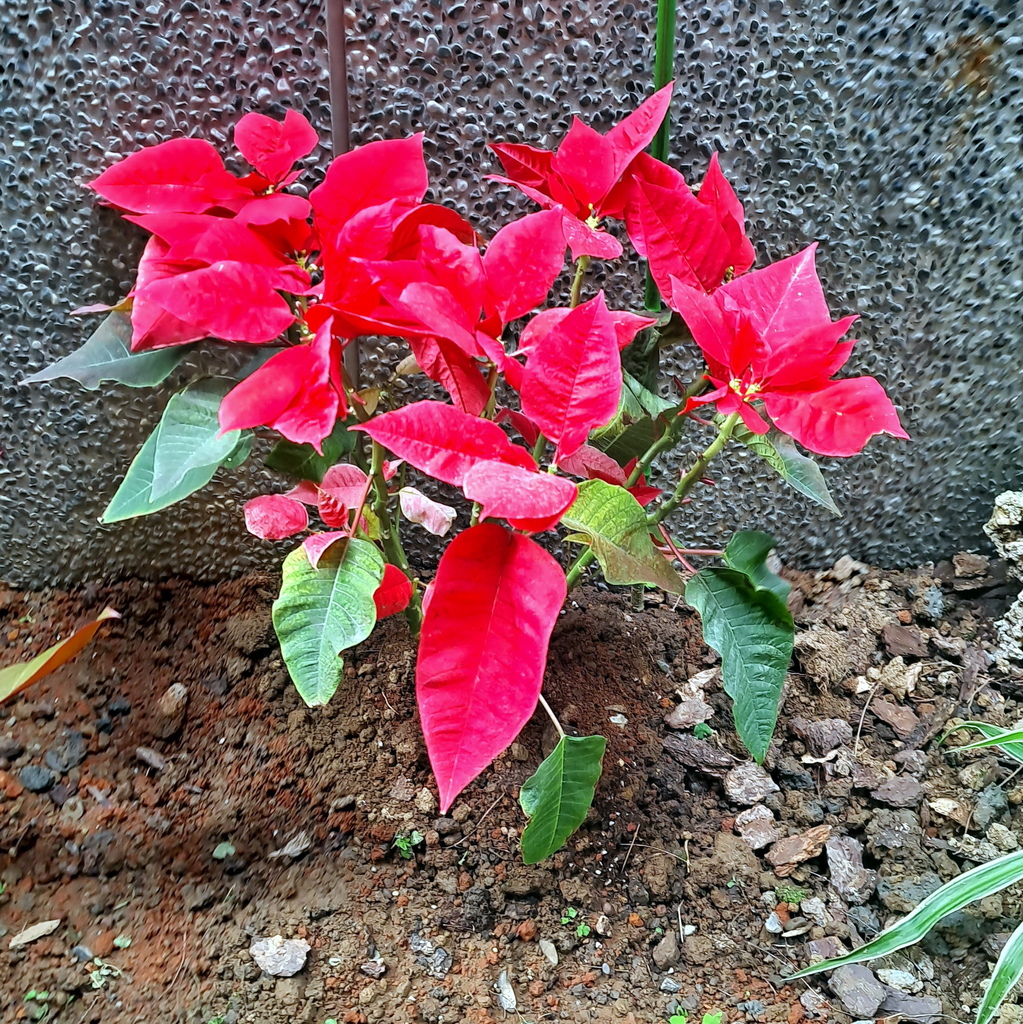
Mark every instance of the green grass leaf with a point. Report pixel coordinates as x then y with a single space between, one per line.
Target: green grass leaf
967 888
323 611
557 797
752 630
106 356
616 526
1008 970
1008 740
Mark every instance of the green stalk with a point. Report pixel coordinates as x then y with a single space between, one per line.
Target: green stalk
664 71
577 282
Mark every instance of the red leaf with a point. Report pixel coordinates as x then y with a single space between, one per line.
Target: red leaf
443 441
592 464
370 176
177 176
316 544
633 134
394 592
443 361
275 516
718 193
273 147
529 500
522 262
573 377
495 601
524 164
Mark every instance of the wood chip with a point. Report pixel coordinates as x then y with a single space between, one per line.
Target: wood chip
37 931
786 854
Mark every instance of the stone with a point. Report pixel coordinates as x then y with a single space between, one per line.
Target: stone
822 736
699 754
280 957
919 1009
901 791
1003 838
689 713
667 952
748 784
198 896
966 563
10 748
905 894
904 641
814 1004
505 994
67 754
849 878
37 779
170 712
786 854
991 804
827 948
757 826
670 985
902 980
902 720
857 989
732 860
549 950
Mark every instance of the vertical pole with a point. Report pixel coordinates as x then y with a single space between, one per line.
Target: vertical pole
664 71
340 123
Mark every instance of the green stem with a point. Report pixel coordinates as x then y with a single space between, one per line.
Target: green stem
538 448
695 475
575 570
488 412
577 282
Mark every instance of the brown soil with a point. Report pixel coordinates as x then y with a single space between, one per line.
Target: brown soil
119 848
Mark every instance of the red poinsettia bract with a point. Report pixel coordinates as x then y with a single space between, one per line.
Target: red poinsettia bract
768 337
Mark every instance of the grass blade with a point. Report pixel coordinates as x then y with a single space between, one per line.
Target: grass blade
1009 740
1007 972
966 888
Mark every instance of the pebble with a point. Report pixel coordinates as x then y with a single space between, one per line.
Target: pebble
37 779
785 855
748 784
901 791
815 909
773 924
857 989
902 980
670 985
549 950
920 1009
67 754
667 952
903 720
170 712
991 804
82 953
280 957
10 748
689 713
849 878
757 826
1003 838
823 736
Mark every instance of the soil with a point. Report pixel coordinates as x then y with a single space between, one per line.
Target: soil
173 837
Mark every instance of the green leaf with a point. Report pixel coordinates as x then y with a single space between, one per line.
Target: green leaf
107 356
964 889
323 611
622 441
136 495
636 396
752 630
779 451
557 797
242 450
747 551
619 536
1008 740
1008 970
304 462
188 437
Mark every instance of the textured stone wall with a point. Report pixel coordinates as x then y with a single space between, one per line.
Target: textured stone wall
888 130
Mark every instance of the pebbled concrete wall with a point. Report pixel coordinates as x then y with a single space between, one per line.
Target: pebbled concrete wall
890 131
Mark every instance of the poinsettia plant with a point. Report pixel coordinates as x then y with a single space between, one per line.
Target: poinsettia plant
539 426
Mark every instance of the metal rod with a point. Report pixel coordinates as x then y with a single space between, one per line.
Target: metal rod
340 123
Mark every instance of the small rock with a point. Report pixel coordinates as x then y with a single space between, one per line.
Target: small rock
435 959
904 641
748 784
198 896
864 920
68 754
814 1004
827 948
373 968
966 563
10 748
757 826
82 954
774 923
699 754
786 854
170 712
948 808
857 989
920 1009
846 567
991 804
294 847
901 791
280 957
153 758
602 926
823 736
549 950
670 985
506 994
667 952
906 894
37 779
903 720
816 910
901 980
426 802
1003 838
689 713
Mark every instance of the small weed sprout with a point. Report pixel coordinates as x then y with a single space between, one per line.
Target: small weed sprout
404 844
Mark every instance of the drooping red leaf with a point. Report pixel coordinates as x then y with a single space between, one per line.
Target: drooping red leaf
275 516
177 176
628 325
634 133
524 164
483 650
528 430
450 366
522 262
838 418
393 594
369 176
528 499
152 326
592 464
586 241
316 544
273 147
431 515
573 377
443 441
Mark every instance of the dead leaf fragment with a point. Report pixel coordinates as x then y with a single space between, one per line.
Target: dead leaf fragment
786 854
36 931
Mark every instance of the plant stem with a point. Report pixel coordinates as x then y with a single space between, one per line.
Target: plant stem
538 448
577 282
695 475
575 570
553 717
488 412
